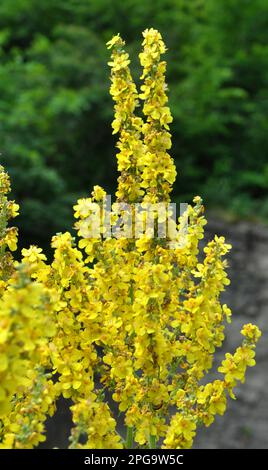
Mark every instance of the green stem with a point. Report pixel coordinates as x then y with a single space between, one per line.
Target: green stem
129 439
152 442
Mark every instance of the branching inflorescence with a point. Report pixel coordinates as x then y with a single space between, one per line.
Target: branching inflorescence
136 321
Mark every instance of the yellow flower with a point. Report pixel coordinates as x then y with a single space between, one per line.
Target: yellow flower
33 254
11 238
244 356
251 332
180 433
116 40
98 193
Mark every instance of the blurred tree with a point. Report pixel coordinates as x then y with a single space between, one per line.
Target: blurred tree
55 109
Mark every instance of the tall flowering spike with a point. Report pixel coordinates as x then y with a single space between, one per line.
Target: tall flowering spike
154 310
158 169
125 96
26 323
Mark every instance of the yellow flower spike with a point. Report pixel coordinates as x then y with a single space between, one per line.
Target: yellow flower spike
158 169
129 126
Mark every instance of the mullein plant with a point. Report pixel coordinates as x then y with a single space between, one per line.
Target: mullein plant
136 321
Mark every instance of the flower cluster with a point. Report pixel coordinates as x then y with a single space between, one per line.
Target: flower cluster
26 324
94 422
24 426
136 321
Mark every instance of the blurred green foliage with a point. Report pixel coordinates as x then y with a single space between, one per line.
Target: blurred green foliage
55 109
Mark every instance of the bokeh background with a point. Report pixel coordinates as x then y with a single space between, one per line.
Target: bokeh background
56 142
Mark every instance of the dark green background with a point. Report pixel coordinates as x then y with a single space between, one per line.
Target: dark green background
56 111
